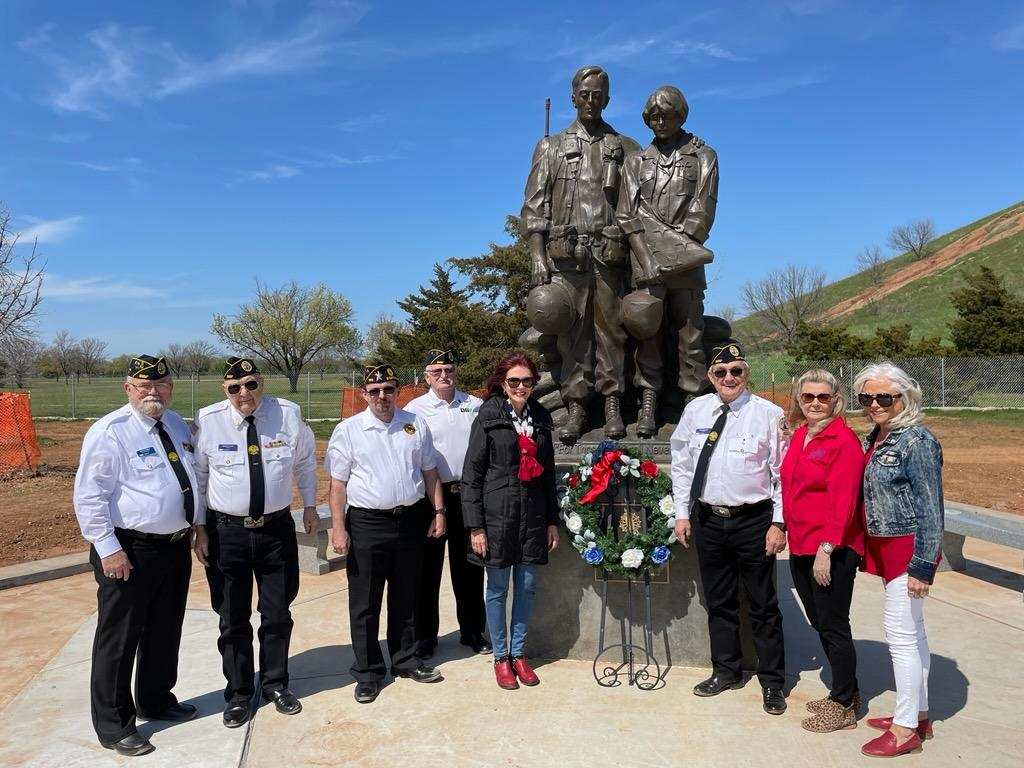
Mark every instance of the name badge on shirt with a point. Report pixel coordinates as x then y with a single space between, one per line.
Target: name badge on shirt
146 452
227 447
703 430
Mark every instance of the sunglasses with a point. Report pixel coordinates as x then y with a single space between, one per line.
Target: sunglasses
719 373
514 383
884 400
448 370
381 391
822 397
251 384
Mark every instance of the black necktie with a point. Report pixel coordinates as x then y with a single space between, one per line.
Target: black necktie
257 489
179 471
700 474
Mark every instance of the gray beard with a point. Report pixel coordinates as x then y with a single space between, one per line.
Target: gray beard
152 409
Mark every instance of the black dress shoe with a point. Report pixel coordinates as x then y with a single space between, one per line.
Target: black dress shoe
285 701
131 745
717 683
176 713
774 701
237 714
477 642
367 691
422 674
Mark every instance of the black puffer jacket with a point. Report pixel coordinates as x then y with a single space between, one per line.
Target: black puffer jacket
515 515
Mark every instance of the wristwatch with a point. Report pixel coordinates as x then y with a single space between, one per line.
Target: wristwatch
826 547
441 511
780 526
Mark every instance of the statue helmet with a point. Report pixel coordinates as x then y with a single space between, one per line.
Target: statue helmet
550 309
641 314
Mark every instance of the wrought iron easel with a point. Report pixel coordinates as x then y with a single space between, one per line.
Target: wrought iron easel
637 673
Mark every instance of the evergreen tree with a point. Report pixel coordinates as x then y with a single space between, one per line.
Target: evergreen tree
990 319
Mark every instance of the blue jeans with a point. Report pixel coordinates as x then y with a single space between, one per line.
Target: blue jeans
524 580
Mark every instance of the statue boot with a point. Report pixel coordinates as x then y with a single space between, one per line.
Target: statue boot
646 425
575 424
614 429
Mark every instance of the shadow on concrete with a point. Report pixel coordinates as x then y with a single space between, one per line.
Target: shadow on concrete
997 577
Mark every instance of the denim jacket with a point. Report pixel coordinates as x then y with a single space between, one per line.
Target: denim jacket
903 493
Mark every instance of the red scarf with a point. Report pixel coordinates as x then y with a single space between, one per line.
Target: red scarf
529 467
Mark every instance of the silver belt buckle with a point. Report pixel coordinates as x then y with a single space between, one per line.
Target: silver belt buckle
721 511
248 522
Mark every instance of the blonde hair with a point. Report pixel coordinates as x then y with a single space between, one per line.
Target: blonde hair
816 376
909 389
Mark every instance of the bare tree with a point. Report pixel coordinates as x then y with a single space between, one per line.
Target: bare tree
325 361
785 298
378 341
20 356
197 356
64 354
21 279
872 264
916 237
173 355
727 313
92 356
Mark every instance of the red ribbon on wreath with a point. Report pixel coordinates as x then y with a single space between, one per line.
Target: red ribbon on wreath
529 467
600 476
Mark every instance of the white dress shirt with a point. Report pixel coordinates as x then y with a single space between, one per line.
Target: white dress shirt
381 463
449 424
287 448
744 467
124 479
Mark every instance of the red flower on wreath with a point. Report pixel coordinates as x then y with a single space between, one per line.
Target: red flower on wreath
612 456
648 469
574 480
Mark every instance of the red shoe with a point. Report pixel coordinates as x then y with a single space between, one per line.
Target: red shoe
924 727
885 746
504 675
524 672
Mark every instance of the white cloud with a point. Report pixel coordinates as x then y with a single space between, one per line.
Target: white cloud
762 89
362 122
1009 39
662 44
101 167
128 166
272 172
98 288
49 231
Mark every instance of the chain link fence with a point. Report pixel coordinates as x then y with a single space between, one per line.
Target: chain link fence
946 382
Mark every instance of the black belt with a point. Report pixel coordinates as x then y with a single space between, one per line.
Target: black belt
392 512
743 509
143 536
454 487
248 522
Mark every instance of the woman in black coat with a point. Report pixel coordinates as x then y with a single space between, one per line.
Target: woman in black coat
510 507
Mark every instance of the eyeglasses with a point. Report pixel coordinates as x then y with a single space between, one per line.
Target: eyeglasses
251 384
447 370
514 383
162 386
822 397
884 400
381 392
719 373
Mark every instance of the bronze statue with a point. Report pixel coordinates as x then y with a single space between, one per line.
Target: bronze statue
580 264
666 209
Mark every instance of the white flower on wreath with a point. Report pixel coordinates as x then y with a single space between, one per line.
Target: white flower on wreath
564 503
574 522
585 472
632 558
591 544
588 460
667 505
670 522
672 536
589 535
579 542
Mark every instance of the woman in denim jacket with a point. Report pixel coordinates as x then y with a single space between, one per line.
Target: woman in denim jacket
903 511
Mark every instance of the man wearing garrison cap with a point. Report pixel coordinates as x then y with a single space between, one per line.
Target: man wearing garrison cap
450 413
383 471
726 454
136 498
249 449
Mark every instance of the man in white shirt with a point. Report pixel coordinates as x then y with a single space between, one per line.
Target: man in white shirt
136 498
382 465
450 413
735 494
249 448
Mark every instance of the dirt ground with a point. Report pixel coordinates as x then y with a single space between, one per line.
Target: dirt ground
984 465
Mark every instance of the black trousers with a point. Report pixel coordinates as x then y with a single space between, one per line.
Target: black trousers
384 549
828 609
237 556
138 625
731 551
467 579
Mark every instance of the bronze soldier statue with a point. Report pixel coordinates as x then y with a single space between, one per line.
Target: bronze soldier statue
580 264
666 208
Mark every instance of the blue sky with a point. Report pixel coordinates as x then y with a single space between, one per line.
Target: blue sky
169 154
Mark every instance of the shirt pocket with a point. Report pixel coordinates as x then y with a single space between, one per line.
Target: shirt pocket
150 472
697 444
229 464
742 452
278 462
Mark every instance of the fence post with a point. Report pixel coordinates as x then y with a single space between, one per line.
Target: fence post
309 413
74 401
942 379
852 375
192 395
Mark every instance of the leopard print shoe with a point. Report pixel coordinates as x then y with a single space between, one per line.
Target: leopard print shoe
820 705
835 717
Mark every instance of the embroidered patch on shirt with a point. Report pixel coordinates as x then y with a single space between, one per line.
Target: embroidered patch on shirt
888 459
253 450
146 452
188 447
227 447
273 444
409 429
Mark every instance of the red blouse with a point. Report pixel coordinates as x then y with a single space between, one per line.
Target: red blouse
821 490
887 556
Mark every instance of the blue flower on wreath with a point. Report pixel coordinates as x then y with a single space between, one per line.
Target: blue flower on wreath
659 555
594 556
603 447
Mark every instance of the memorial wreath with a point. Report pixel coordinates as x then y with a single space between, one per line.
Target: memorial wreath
634 550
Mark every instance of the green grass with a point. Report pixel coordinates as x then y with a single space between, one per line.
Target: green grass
999 417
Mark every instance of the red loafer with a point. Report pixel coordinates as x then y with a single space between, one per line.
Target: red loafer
924 727
523 671
504 675
885 746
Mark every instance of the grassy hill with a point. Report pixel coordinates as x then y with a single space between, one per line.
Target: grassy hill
924 302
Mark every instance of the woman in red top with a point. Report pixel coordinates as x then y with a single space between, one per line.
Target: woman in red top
821 503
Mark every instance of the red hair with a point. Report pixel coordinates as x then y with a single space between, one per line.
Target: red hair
497 379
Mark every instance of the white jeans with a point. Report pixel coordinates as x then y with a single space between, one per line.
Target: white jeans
908 646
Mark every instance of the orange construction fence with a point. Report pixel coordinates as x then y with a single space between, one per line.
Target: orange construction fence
19 446
352 401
